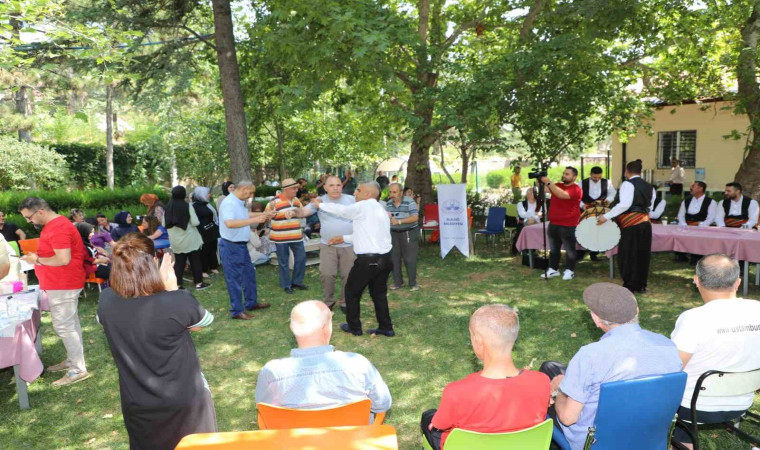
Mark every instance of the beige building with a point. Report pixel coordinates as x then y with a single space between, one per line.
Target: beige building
693 134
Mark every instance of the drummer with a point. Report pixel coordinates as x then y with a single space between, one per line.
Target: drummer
632 214
597 192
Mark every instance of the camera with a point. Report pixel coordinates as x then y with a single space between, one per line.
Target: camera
536 174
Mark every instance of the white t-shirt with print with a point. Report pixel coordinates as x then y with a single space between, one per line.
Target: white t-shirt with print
721 335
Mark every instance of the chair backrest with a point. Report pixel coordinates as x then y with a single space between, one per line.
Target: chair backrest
637 414
512 210
275 417
29 245
495 219
537 437
431 212
725 384
381 437
15 247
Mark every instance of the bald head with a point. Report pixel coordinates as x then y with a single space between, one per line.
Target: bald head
370 190
309 319
497 326
718 272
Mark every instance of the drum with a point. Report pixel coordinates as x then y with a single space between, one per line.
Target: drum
593 237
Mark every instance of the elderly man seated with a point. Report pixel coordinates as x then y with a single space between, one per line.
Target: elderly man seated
500 397
626 351
315 375
716 336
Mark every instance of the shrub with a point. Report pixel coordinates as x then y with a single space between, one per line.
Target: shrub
495 179
31 232
25 164
63 200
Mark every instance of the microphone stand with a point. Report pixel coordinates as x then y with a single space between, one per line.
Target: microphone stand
542 196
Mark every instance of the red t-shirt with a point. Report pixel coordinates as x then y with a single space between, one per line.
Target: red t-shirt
563 212
59 233
486 405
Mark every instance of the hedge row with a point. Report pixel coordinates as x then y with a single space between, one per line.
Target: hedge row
62 200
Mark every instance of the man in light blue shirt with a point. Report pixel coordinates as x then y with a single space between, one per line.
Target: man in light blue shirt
316 376
625 352
339 258
235 229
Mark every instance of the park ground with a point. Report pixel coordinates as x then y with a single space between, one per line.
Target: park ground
431 348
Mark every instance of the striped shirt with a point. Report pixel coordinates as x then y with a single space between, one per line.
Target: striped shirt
407 208
285 230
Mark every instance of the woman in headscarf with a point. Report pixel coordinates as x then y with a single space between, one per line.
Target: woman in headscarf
186 242
209 228
125 225
95 261
227 188
154 205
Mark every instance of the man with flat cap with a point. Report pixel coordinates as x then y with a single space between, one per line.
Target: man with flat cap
287 236
625 351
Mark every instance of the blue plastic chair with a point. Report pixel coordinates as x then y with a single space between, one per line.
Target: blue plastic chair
494 224
637 414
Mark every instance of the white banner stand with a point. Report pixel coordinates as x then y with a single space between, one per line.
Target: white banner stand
452 218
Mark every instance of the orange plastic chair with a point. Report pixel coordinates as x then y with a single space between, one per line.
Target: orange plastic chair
92 279
353 414
29 245
382 437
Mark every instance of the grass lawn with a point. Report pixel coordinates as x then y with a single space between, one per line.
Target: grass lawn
431 349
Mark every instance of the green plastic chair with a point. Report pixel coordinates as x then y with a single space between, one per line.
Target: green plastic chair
512 212
537 437
15 247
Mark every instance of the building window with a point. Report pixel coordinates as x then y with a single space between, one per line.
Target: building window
681 145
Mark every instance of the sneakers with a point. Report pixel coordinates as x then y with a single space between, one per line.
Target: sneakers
71 378
394 287
569 275
202 286
416 287
550 273
60 367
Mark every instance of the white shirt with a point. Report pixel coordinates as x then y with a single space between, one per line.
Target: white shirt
735 210
656 213
372 226
677 175
720 335
531 213
694 207
626 199
595 190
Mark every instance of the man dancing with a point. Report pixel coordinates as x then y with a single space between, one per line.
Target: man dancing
632 213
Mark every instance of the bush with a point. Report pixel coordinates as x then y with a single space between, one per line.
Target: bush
31 232
495 179
92 199
25 164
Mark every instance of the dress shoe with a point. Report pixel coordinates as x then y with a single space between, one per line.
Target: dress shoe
288 290
302 287
242 316
259 306
344 327
389 333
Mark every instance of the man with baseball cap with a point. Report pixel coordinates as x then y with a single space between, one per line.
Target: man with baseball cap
625 351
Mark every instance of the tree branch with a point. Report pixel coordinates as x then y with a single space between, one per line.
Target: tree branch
422 29
405 79
198 36
530 19
466 26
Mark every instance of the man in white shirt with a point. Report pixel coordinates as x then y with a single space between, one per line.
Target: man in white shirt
372 244
677 175
723 334
699 209
736 210
596 189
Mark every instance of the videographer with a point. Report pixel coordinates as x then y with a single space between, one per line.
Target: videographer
563 218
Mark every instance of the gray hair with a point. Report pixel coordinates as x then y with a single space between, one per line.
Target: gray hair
400 188
613 324
499 322
244 183
34 204
200 194
718 272
333 176
374 185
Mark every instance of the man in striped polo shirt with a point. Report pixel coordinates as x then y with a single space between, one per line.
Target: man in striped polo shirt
405 236
288 236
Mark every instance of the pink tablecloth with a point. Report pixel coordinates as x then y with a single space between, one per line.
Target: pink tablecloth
744 245
20 350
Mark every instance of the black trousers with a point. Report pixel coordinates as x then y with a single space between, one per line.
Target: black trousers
706 417
433 436
372 271
634 253
676 189
559 237
195 266
209 259
552 369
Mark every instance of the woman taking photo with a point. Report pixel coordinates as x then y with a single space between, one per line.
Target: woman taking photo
209 229
186 242
147 321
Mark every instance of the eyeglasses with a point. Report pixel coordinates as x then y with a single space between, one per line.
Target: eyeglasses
29 217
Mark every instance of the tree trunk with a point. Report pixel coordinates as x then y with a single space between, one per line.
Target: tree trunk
280 145
258 175
749 96
173 171
466 156
22 107
232 95
418 169
109 137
